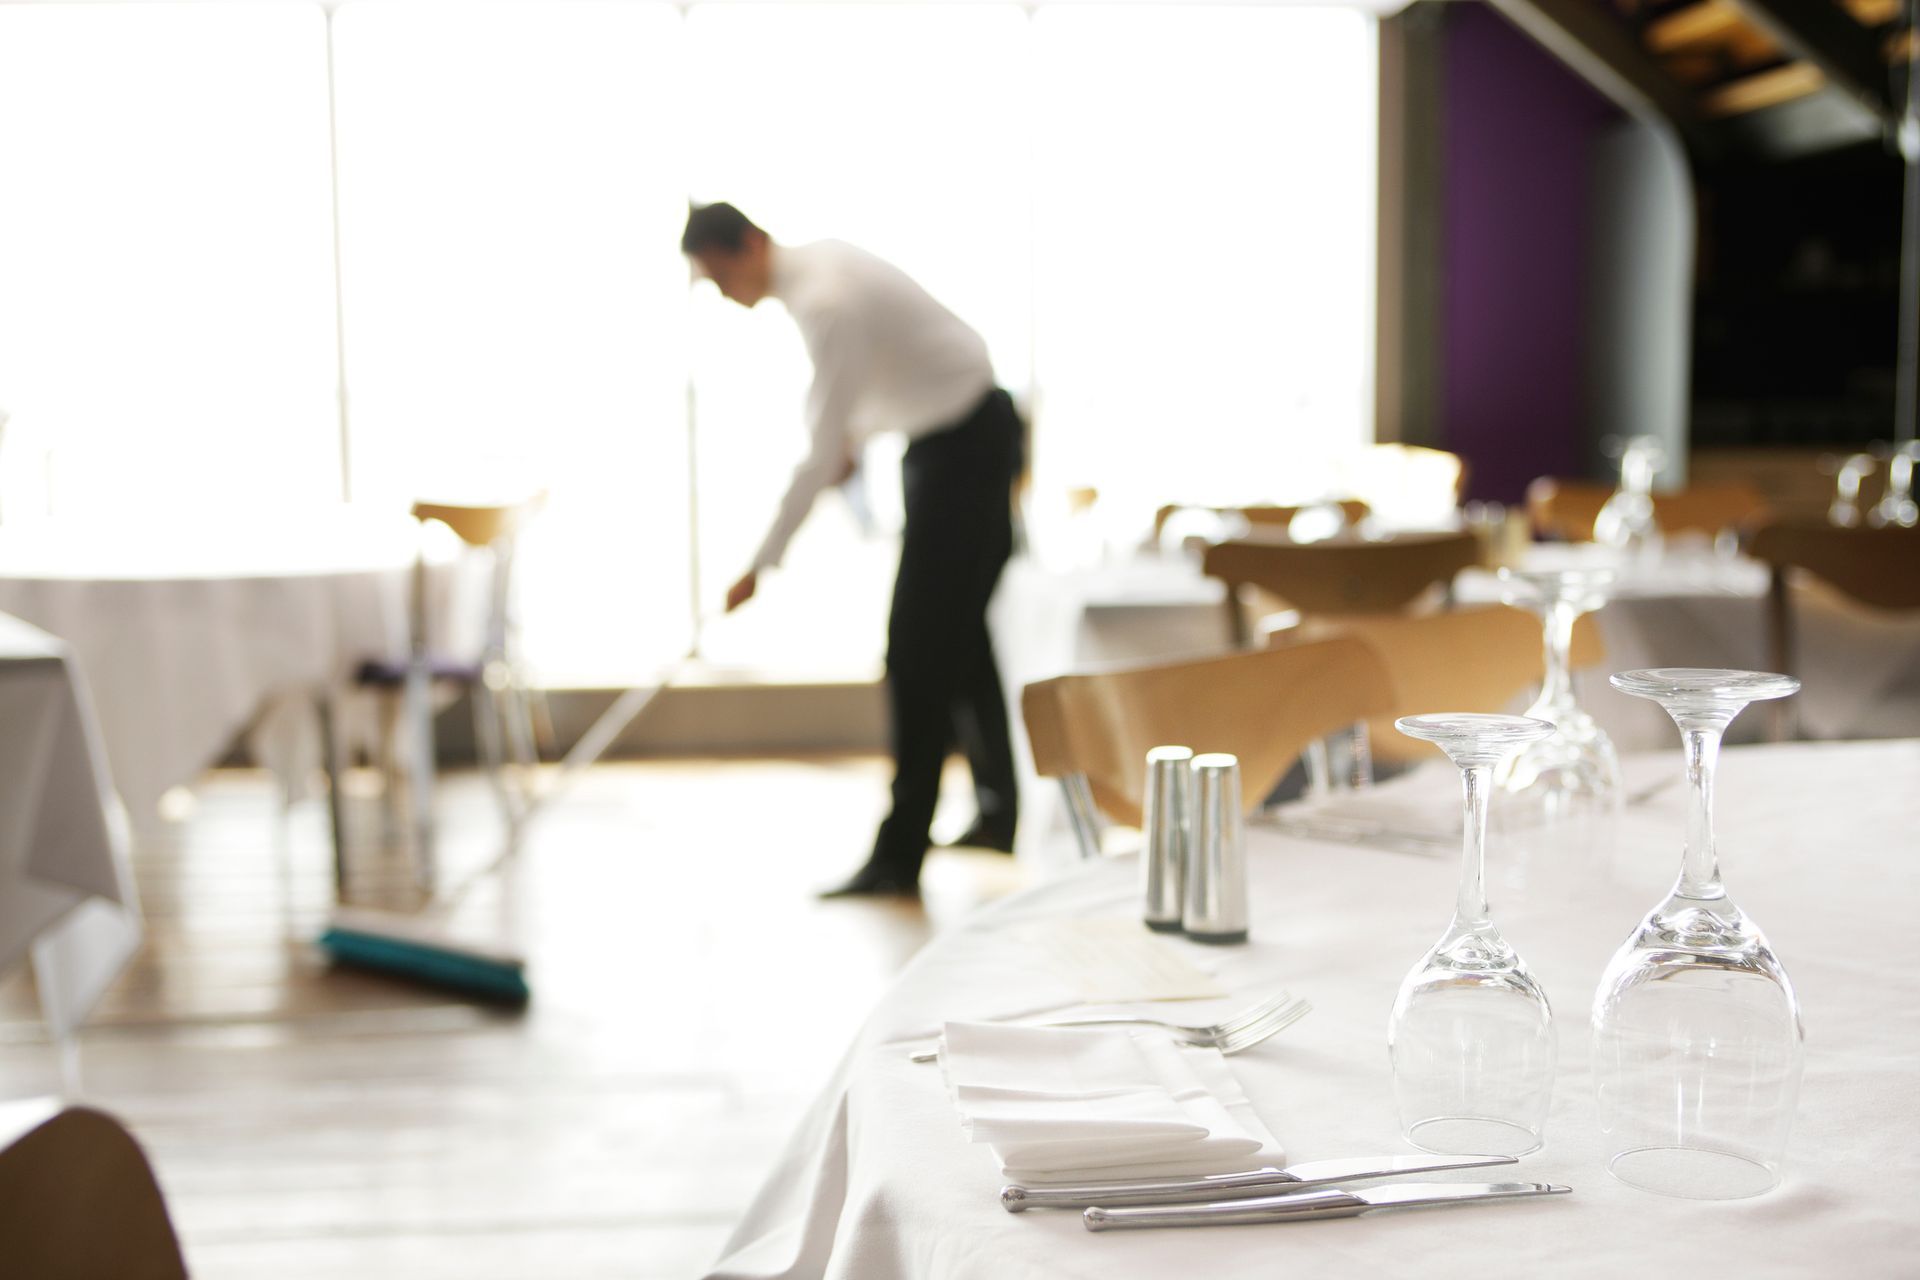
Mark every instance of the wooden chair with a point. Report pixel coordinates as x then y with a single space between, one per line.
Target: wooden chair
1878 568
1093 731
1564 510
1339 577
502 702
1263 516
78 1201
1478 658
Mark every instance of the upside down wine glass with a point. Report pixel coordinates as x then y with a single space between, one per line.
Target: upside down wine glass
1471 1037
1697 1035
1574 772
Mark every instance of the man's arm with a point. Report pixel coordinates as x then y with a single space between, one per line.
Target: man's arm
839 352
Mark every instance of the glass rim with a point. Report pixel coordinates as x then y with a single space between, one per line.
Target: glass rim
1477 728
1718 684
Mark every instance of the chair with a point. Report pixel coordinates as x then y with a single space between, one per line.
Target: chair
494 682
1092 731
1478 658
78 1201
1262 516
1879 568
1342 576
1565 510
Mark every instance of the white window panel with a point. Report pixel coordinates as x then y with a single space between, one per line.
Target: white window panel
166 288
511 197
1203 241
902 128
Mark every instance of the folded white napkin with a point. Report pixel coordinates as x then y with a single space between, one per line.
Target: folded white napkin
1059 1103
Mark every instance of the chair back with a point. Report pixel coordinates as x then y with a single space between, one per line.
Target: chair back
481 524
1879 568
1264 707
1478 658
78 1201
1266 516
1565 510
1343 576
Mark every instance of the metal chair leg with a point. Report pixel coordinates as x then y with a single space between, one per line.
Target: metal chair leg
1082 814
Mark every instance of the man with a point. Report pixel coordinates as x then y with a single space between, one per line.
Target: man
887 357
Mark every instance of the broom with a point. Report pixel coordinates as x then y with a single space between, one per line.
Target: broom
419 947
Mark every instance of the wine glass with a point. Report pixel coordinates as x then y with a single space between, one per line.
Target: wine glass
1697 1035
1574 773
1471 1037
1626 519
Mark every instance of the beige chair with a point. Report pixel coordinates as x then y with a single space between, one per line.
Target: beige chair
1478 658
1565 510
1092 731
1878 568
1340 576
78 1201
502 702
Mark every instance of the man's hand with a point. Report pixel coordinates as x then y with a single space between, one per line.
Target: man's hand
742 591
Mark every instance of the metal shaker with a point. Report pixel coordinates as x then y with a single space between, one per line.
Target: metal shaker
1215 909
1163 863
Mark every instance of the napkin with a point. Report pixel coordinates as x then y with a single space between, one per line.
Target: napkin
1070 1104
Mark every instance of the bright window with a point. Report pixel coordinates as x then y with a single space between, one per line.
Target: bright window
510 203
166 275
1160 217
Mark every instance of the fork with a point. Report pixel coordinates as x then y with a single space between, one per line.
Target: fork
1242 1031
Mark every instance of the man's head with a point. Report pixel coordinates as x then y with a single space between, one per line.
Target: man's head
730 251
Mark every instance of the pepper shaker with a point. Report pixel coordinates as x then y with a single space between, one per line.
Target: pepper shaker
1215 909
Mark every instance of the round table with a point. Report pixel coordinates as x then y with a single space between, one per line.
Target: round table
192 632
879 1181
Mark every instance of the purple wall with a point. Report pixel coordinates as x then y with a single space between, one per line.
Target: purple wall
1516 134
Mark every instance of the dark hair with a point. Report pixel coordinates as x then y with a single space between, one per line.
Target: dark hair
716 226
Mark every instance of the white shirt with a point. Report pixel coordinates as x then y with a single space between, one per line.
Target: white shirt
886 357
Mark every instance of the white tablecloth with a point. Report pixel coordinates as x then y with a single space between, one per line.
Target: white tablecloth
190 634
66 889
1815 843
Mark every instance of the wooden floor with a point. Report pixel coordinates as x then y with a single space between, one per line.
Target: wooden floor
690 997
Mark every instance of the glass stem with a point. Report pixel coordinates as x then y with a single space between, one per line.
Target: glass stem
1700 868
1556 689
1470 911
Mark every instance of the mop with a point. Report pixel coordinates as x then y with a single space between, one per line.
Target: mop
419 947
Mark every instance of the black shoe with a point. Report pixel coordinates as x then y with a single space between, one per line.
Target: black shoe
874 881
980 836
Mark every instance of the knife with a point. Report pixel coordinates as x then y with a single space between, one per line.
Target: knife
1233 1186
1331 1202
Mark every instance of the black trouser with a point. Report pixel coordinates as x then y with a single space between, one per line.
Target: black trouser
943 686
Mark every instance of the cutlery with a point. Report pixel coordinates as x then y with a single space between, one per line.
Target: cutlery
1242 1031
1233 1186
1332 1202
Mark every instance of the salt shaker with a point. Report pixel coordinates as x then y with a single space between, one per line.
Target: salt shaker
1215 909
1163 862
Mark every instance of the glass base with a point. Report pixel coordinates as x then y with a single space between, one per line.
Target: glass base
1692 1173
1473 1136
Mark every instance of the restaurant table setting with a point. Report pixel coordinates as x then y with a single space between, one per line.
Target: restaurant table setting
1590 1083
1683 603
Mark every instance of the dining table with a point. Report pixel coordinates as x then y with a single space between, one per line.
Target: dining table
67 896
1689 605
197 630
1815 844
